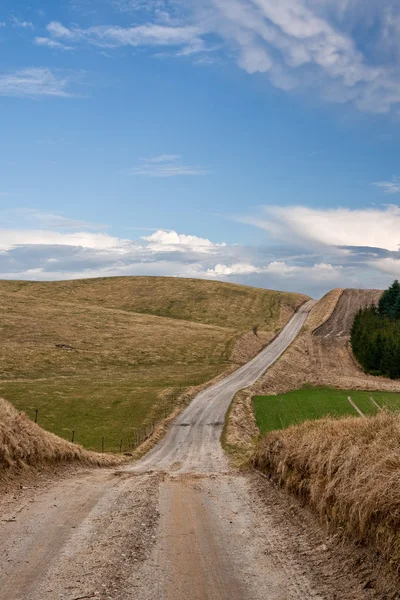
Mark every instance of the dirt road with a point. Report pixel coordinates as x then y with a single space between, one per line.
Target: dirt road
178 525
193 442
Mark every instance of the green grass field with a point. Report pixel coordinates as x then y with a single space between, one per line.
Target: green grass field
278 412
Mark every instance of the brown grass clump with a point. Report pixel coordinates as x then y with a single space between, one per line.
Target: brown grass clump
23 444
348 470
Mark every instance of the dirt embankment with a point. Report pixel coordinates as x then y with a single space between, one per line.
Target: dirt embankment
348 470
26 447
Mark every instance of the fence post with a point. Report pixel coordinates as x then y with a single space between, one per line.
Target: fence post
36 415
120 447
102 444
73 436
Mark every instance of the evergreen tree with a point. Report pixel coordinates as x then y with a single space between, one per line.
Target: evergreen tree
375 335
389 300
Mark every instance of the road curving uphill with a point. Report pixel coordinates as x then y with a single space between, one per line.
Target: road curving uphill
193 441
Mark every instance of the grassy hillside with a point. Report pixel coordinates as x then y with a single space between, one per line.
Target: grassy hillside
96 357
209 302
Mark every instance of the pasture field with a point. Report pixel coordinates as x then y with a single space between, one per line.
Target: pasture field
310 403
105 358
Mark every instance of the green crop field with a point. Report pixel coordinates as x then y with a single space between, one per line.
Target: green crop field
278 412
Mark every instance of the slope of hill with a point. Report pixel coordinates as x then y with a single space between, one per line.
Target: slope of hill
208 302
349 303
96 358
25 444
322 354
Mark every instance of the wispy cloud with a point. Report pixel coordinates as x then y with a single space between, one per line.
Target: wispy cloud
166 165
34 218
2 24
35 82
44 41
187 37
21 23
305 45
389 187
374 228
279 268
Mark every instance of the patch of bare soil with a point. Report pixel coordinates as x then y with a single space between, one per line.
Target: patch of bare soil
349 303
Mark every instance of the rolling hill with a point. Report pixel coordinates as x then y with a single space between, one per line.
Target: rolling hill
103 359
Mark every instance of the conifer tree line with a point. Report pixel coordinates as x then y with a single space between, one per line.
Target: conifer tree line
375 335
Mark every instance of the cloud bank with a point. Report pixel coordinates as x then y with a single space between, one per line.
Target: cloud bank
317 250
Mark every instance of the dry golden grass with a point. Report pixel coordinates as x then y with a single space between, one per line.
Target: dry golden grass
228 305
79 352
23 444
323 309
348 470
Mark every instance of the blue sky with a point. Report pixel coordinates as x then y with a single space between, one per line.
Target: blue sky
250 141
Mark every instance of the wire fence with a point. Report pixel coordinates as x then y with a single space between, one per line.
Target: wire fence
111 442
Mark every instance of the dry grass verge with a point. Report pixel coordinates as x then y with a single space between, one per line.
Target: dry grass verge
24 445
348 470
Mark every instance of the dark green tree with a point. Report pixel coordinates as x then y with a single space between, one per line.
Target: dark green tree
375 335
389 300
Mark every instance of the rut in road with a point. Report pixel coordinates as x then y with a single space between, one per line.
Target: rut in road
180 524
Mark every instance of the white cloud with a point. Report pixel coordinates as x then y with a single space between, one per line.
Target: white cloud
171 241
387 265
2 24
11 238
166 165
377 228
45 246
279 268
389 187
23 24
47 42
234 269
35 82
